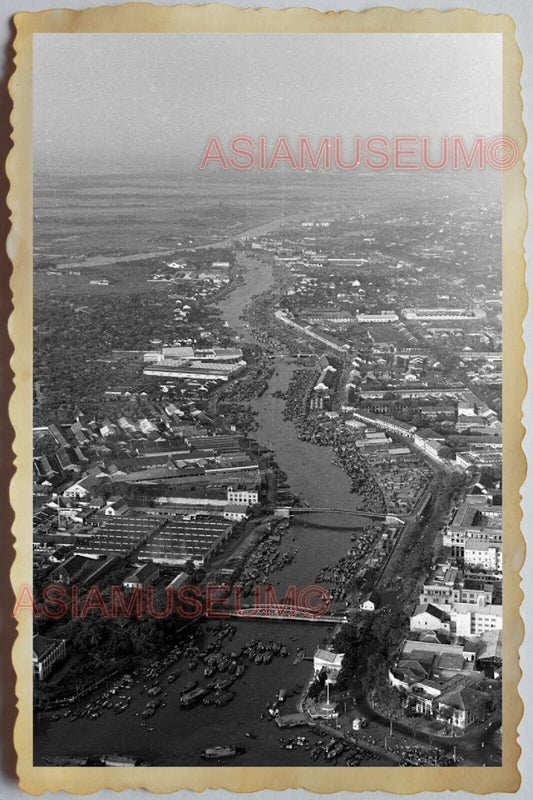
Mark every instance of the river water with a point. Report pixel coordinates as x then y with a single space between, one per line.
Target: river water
179 736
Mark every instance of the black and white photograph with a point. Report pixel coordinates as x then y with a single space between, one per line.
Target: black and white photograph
267 400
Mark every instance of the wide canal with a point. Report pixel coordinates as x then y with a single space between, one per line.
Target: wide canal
175 736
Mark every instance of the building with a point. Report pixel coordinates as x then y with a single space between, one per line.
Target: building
489 654
240 495
370 602
483 554
181 579
181 540
119 536
328 661
334 316
47 653
235 512
115 507
479 518
326 380
480 455
434 314
446 584
476 619
429 443
429 617
323 389
462 707
387 424
427 664
145 575
461 619
381 316
71 570
440 680
81 489
219 363
307 330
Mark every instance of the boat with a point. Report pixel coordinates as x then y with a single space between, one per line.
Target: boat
119 761
191 697
223 684
223 698
229 751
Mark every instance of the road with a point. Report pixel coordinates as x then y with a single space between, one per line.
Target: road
475 748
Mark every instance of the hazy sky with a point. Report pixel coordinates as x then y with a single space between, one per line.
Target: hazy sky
113 102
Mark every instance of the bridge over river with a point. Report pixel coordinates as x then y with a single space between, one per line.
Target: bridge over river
291 511
291 614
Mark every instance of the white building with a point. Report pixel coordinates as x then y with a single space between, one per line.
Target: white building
461 619
432 314
241 496
46 653
81 489
235 512
429 442
387 424
487 555
429 617
382 316
330 662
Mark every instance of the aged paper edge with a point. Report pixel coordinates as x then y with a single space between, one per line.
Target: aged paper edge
147 18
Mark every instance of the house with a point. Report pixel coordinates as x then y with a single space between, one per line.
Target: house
81 489
463 707
46 653
65 462
79 433
489 654
181 579
370 602
71 570
429 617
328 661
115 507
143 576
60 554
235 512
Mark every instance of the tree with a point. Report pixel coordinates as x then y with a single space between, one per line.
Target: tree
446 453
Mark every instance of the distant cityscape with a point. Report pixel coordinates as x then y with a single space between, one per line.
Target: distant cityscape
306 398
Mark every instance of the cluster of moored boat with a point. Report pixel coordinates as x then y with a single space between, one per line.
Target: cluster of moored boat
338 577
217 693
113 699
264 561
222 667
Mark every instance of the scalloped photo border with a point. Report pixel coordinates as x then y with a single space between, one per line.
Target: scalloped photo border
147 18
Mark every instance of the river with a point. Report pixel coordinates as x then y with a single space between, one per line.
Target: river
179 736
